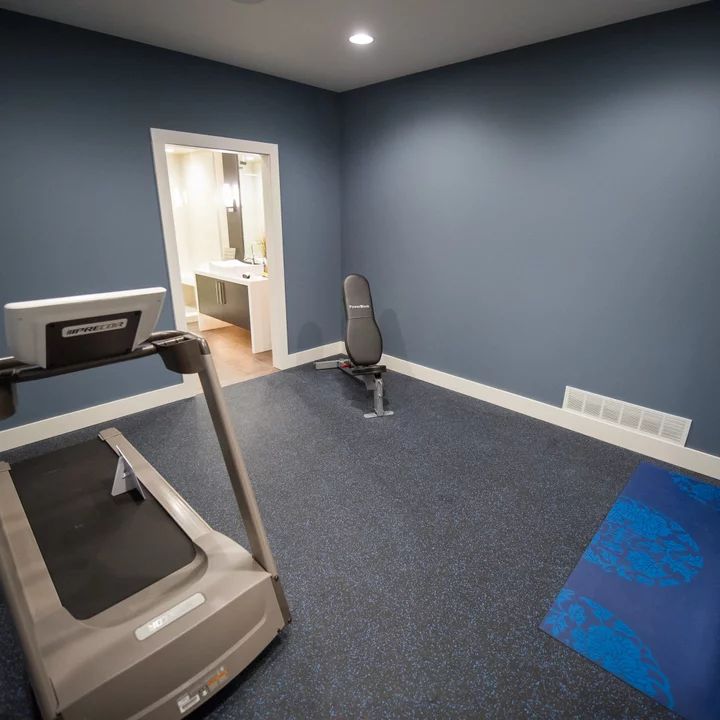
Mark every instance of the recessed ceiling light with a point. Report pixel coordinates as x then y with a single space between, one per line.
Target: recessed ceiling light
361 39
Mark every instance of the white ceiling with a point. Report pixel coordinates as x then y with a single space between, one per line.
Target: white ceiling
306 40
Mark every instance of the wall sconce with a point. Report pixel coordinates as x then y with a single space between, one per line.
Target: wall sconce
231 196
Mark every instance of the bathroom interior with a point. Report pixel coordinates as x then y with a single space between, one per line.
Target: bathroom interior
219 220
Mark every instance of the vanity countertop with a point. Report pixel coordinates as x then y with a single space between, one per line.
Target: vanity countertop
233 276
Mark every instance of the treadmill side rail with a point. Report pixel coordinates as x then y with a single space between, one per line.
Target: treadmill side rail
16 553
175 504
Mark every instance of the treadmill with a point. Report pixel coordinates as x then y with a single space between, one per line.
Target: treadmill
126 603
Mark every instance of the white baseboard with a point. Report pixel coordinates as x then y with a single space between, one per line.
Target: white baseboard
684 457
50 427
316 353
78 419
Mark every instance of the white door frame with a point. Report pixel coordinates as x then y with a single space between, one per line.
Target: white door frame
273 227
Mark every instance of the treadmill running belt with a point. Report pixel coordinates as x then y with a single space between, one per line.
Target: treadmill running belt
98 549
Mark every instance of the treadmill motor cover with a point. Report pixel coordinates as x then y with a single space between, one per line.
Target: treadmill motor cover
98 549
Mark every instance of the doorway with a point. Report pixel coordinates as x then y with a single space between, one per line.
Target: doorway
220 207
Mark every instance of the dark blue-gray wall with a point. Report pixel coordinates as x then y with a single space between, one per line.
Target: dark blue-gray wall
78 200
550 216
541 217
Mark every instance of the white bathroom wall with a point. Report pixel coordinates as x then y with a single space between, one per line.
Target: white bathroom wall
197 209
253 209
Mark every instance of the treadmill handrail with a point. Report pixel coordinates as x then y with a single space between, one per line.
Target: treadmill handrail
14 371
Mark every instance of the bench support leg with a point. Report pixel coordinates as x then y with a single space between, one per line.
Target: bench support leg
376 385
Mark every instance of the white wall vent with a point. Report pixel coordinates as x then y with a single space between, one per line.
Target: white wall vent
667 427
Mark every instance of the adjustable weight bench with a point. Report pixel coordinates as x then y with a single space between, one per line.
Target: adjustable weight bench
363 343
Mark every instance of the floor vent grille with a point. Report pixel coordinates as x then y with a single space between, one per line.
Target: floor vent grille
667 427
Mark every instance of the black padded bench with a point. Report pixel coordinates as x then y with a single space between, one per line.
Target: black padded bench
363 343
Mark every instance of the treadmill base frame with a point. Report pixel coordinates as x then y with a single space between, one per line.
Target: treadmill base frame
99 667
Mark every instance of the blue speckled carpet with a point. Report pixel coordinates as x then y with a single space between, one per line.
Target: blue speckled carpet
644 600
419 552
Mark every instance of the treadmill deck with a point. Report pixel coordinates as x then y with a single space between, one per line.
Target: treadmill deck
98 549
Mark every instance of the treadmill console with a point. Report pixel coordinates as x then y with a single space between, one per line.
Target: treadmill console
65 331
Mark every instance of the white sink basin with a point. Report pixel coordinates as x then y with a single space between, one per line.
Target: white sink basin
235 268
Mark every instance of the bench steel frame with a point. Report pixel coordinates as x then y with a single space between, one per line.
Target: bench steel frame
370 376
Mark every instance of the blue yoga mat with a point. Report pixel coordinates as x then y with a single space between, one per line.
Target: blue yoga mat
644 600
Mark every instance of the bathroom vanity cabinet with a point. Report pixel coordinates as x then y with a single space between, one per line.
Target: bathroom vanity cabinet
224 300
237 301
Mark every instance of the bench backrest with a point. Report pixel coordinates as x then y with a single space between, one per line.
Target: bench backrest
363 341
